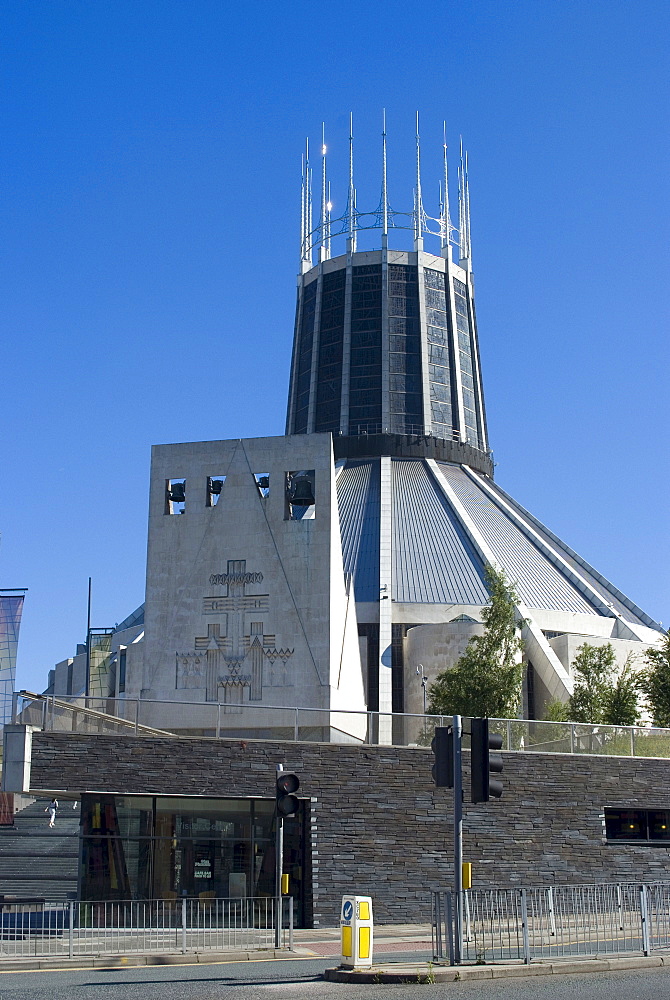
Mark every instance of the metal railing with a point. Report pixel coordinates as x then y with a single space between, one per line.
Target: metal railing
143 717
75 929
553 922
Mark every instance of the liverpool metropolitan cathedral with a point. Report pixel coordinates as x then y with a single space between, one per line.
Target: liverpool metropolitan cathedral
337 567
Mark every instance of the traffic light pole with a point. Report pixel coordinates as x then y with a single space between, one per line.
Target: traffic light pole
279 869
457 730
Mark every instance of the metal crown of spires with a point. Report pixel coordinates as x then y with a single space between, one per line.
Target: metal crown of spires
318 238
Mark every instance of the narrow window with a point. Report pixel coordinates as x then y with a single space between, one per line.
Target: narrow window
175 496
263 483
300 495
122 669
214 487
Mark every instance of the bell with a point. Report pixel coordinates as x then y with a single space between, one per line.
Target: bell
302 493
177 492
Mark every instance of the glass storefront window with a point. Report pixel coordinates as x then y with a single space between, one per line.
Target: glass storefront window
166 847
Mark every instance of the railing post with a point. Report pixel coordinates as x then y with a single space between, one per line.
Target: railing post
644 920
295 726
44 715
509 735
449 926
438 951
15 707
524 928
572 737
632 742
290 923
137 714
218 720
550 907
70 949
183 925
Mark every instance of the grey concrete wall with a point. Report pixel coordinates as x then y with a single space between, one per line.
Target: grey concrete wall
379 826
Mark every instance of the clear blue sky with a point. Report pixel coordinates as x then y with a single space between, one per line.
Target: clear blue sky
149 210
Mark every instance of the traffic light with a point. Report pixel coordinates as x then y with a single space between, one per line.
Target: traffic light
443 748
483 763
288 802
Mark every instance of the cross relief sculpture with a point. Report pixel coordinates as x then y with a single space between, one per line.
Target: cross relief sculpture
232 653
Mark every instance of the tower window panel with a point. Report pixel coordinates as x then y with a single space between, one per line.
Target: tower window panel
436 317
467 381
438 374
462 325
405 345
362 382
371 337
470 418
464 342
361 356
405 383
441 412
399 305
402 364
466 363
364 414
432 278
440 393
409 402
402 272
437 336
436 299
397 324
461 305
459 287
438 355
468 399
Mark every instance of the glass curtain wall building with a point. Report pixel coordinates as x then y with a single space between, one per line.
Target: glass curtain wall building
386 343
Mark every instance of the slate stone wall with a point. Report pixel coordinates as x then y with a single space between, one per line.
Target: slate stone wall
378 824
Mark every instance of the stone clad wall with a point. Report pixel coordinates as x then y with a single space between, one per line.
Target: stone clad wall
378 824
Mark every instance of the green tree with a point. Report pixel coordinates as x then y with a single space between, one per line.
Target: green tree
592 668
655 682
486 680
600 696
623 701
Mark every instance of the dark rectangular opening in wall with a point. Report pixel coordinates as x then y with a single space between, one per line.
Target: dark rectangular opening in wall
214 487
175 496
300 495
371 632
262 484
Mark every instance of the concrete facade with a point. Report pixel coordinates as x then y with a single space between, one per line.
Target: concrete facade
377 823
246 605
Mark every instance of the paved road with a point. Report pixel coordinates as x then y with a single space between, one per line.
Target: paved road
300 980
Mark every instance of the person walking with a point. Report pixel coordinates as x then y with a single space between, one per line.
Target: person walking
51 809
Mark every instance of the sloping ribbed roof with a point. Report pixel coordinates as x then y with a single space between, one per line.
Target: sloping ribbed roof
539 583
358 500
434 562
629 611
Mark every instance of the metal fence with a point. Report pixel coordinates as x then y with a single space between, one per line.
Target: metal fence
142 717
552 922
95 929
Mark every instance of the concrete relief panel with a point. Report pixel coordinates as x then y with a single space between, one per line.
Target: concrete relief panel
235 649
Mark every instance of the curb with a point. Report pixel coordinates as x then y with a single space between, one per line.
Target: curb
135 961
425 973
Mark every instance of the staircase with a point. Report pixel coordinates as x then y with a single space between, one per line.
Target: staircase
37 861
